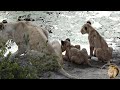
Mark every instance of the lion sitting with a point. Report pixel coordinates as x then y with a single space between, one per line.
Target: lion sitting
74 54
29 37
97 43
103 55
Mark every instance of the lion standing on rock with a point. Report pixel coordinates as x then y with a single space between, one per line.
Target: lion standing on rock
29 37
97 43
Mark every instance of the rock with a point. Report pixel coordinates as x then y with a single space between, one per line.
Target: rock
4 21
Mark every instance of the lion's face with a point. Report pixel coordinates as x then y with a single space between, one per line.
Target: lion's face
85 28
5 31
65 44
3 36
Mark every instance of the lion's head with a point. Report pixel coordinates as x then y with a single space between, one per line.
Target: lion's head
85 28
89 22
6 30
84 50
3 37
65 44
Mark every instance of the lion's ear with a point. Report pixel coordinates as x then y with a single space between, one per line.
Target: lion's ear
1 26
68 39
89 22
62 42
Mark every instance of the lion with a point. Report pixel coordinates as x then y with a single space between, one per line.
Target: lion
45 31
56 45
64 48
29 37
74 54
76 46
97 43
103 55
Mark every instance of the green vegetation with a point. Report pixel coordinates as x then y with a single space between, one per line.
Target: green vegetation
33 69
11 69
45 63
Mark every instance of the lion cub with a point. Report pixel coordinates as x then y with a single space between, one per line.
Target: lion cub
74 54
64 48
97 43
76 46
103 54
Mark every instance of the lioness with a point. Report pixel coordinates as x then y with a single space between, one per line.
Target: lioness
45 31
29 37
97 43
75 55
57 47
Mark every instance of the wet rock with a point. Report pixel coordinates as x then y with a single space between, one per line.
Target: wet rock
25 18
4 21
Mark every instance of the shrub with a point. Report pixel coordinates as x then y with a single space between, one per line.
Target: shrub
26 66
44 63
11 69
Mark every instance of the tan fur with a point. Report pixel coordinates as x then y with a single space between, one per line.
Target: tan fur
113 71
29 37
104 54
63 47
46 33
96 41
75 55
75 46
57 47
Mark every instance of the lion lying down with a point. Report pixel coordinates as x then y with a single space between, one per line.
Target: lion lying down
64 48
74 54
30 37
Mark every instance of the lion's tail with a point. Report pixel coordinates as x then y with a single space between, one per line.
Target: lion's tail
63 72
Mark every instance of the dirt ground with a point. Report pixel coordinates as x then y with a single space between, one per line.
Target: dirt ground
82 71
